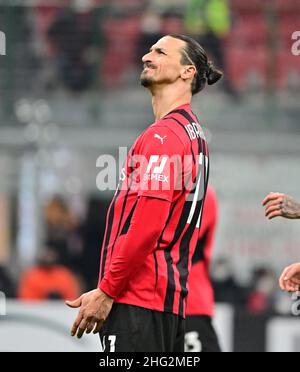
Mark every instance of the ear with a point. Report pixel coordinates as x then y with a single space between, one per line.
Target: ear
188 72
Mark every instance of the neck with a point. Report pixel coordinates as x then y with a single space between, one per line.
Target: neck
164 100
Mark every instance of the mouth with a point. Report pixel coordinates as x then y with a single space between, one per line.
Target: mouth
148 67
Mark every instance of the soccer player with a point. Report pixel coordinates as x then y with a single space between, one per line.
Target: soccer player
154 218
200 333
280 205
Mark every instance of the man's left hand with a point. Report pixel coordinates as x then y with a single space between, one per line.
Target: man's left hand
94 309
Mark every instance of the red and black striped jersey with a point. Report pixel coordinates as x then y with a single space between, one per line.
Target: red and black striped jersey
201 295
168 161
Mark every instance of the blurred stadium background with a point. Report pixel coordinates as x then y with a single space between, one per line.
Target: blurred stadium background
69 93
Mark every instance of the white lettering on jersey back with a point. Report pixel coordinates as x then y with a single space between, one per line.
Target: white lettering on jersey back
197 195
200 214
194 131
195 199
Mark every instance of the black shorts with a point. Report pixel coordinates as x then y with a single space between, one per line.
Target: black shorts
136 329
200 334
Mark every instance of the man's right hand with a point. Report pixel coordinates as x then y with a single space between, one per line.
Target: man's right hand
94 309
280 205
290 278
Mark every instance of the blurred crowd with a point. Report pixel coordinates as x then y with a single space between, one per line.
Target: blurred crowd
261 295
68 261
100 43
94 44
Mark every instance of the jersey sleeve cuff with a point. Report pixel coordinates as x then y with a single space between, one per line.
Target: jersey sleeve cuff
107 289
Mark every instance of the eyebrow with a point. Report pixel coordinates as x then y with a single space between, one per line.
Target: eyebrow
157 49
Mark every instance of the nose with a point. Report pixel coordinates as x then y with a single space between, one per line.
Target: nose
147 57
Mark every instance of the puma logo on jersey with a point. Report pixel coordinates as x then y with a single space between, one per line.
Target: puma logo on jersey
160 138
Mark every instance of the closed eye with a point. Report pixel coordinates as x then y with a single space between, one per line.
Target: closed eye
158 50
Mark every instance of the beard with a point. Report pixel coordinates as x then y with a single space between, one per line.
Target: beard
150 81
145 81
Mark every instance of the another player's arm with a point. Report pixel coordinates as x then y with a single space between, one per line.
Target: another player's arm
281 205
290 278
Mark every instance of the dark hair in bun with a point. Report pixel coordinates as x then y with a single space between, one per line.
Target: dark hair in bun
193 53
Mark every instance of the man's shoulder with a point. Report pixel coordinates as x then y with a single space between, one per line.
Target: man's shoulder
177 128
164 131
159 138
